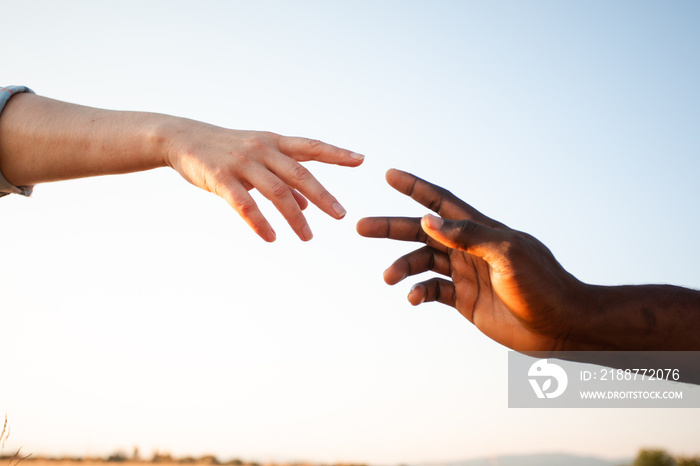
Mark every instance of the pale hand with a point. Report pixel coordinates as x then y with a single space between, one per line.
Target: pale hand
229 163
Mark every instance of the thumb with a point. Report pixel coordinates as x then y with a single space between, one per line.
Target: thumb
465 235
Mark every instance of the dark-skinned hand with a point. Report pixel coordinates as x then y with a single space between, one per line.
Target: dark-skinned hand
506 282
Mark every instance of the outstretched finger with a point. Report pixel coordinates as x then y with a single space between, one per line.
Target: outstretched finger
281 196
418 261
299 177
435 289
467 235
238 197
303 149
436 198
398 228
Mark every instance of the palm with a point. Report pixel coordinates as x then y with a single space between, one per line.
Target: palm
477 299
500 305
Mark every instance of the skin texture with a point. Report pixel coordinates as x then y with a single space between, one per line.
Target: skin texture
510 286
45 140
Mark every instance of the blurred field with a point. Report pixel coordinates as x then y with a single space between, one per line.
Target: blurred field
103 462
160 460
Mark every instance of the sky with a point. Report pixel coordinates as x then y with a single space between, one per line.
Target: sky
140 310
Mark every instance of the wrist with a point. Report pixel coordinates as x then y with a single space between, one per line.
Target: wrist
594 327
637 318
161 136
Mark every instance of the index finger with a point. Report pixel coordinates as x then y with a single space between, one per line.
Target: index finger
303 149
397 228
436 198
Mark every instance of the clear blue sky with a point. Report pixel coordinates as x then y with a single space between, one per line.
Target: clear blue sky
138 310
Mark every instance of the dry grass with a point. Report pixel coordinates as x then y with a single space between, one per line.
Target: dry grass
42 461
16 458
120 459
3 437
80 462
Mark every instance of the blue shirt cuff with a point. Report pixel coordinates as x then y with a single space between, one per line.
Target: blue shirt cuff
5 186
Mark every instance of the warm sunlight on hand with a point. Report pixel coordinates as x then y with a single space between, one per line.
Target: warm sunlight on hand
229 163
504 281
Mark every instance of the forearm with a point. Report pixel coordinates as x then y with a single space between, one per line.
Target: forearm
638 318
47 140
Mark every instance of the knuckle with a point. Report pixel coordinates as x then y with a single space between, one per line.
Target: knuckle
326 197
437 288
300 173
241 160
314 145
244 206
269 139
466 228
514 246
435 204
279 189
404 265
464 235
255 143
446 193
222 175
217 181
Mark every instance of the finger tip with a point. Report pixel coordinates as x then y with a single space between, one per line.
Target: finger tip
270 236
361 226
389 277
386 278
306 234
357 159
339 211
415 301
397 178
416 296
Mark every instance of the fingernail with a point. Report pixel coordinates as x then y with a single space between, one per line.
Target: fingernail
270 236
356 156
433 222
306 234
339 210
